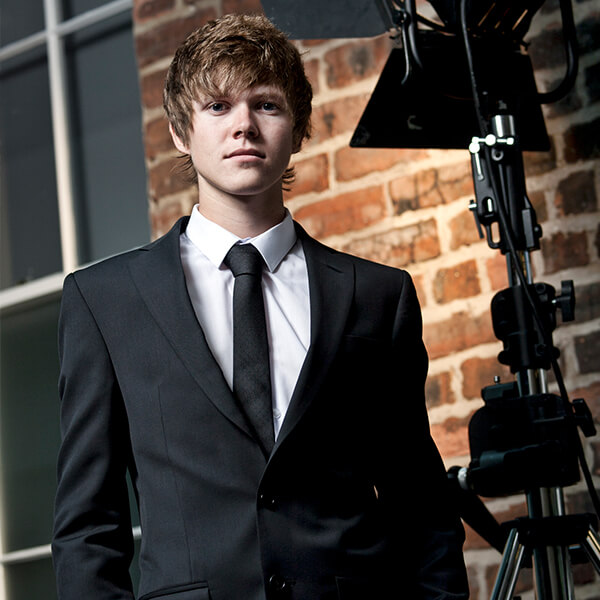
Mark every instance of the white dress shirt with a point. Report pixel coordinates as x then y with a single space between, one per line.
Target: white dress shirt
203 247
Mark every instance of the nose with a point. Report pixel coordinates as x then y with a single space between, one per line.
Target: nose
244 124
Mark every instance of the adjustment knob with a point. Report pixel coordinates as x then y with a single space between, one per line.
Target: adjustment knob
566 301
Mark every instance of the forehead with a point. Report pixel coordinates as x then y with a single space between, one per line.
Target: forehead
243 92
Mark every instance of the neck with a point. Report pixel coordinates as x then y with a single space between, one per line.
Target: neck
246 216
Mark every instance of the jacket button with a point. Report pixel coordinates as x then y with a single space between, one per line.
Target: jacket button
267 501
277 583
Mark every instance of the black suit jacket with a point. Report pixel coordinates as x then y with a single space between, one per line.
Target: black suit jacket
351 503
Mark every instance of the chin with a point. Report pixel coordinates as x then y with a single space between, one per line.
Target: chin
254 188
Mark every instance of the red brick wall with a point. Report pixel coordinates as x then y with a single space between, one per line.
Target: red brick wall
408 208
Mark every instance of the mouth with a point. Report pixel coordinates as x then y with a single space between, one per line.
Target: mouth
246 152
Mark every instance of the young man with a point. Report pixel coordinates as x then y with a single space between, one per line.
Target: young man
334 488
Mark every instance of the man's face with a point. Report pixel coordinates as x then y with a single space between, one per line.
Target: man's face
241 142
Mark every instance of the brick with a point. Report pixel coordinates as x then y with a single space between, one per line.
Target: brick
592 82
458 281
343 213
163 40
473 577
563 251
401 246
588 34
164 217
550 6
579 502
583 573
457 333
431 187
356 60
312 175
536 163
480 372
497 272
157 138
314 43
451 436
311 68
455 181
595 467
337 117
547 49
538 201
576 194
418 281
582 141
463 230
167 178
144 10
587 302
438 390
474 540
427 244
151 89
587 350
351 163
566 105
248 7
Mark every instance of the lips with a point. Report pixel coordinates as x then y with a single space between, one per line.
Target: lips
246 152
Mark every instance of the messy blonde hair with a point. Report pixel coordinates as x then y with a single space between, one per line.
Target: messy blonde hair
233 53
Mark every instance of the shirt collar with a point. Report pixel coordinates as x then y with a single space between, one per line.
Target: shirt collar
214 241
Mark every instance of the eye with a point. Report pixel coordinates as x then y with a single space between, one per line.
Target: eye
268 106
217 107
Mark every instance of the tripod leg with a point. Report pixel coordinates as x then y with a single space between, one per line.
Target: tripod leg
553 575
591 545
509 567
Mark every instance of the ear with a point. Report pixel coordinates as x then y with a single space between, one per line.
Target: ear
179 143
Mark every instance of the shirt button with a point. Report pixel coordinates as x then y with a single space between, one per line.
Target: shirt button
276 414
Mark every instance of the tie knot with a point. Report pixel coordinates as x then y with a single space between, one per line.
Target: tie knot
244 259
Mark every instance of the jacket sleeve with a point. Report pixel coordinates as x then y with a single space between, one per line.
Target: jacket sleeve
429 530
92 543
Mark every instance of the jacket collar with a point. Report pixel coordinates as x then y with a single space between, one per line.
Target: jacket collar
331 285
159 277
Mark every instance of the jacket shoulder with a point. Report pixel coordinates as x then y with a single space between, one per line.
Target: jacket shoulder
109 271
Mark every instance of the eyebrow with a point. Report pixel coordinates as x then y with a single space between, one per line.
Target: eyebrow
259 92
271 94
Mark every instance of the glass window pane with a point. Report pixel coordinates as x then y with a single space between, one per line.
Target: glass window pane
20 19
72 8
107 146
29 431
29 230
31 580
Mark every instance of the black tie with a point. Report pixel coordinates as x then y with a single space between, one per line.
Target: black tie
251 372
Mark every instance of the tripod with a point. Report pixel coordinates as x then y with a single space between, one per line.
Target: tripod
526 439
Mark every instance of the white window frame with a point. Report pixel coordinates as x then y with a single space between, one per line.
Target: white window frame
49 287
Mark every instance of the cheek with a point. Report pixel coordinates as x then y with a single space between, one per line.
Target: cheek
286 141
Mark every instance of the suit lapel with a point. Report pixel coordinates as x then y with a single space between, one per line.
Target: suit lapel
331 284
158 276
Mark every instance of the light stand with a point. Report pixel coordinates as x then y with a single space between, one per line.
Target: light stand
524 438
